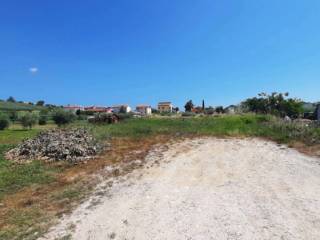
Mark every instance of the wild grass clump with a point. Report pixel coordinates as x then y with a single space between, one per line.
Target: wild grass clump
294 131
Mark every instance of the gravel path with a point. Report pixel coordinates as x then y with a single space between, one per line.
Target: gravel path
206 189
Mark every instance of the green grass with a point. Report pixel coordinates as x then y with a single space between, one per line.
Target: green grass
226 125
219 126
16 133
14 177
14 136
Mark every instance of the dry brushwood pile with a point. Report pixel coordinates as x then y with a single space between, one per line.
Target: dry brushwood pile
73 146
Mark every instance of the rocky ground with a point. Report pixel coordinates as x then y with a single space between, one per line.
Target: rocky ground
206 188
73 146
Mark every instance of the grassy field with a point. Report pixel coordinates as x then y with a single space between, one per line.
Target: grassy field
15 106
226 125
44 183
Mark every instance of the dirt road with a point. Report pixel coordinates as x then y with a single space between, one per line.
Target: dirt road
206 189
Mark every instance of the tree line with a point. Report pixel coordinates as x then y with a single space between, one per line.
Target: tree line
278 104
28 119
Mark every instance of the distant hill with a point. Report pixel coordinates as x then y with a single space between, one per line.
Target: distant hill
15 106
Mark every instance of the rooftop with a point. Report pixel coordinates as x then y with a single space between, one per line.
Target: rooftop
164 103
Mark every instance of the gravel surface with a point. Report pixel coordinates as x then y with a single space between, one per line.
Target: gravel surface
206 189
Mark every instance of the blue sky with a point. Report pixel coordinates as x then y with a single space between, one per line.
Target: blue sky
107 52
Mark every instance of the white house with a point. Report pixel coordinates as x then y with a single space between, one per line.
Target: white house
121 108
144 109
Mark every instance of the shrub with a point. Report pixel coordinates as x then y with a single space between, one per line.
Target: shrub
4 121
62 117
13 116
82 117
123 116
220 109
43 120
155 111
188 114
28 119
209 110
105 118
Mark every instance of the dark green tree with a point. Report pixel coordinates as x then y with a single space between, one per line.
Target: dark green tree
11 99
40 103
219 109
189 106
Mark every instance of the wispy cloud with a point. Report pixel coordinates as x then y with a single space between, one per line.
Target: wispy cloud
33 70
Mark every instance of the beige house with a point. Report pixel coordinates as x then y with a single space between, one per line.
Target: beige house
144 109
165 107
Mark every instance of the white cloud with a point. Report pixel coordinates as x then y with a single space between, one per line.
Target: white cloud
33 70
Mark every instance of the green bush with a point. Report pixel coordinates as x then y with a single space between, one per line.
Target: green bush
13 115
62 117
28 119
4 121
43 120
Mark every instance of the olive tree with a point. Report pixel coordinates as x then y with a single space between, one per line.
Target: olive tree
4 121
62 117
28 119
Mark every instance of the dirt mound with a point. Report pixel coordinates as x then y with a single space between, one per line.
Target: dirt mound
74 146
